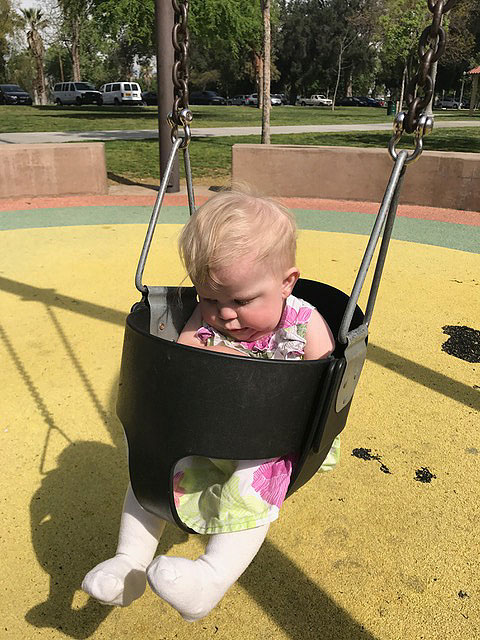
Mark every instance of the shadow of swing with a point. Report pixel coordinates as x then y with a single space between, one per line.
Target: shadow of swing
74 522
410 369
75 512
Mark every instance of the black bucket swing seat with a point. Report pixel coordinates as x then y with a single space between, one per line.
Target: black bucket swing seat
168 393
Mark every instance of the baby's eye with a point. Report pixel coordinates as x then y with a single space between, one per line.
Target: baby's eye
242 303
209 300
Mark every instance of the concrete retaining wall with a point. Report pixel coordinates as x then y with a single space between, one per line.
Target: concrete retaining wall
52 169
437 179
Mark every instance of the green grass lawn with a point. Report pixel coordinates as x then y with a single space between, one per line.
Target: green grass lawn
92 118
137 161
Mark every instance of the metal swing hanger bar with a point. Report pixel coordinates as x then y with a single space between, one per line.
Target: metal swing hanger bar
430 49
180 116
383 223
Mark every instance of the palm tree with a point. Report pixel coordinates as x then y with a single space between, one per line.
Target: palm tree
34 22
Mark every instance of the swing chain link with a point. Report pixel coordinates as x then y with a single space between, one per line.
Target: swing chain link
430 49
180 116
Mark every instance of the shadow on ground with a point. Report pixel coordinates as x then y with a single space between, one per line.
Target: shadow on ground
76 510
122 180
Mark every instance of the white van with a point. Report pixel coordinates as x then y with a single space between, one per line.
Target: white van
121 93
76 93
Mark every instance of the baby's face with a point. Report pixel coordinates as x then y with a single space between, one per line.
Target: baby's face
249 302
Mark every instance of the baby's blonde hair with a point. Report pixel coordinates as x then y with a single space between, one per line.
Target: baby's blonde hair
232 225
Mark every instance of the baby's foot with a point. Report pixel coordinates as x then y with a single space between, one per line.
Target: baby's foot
193 588
118 581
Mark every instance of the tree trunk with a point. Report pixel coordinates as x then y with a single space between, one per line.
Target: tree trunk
60 62
339 73
266 104
473 98
260 69
42 93
429 109
35 45
75 50
402 90
349 88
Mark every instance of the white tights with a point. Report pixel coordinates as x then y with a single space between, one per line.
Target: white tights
192 587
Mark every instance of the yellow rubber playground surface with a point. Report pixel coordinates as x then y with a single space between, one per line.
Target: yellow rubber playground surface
358 554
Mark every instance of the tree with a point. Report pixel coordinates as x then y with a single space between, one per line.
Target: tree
226 35
463 46
266 104
401 26
19 70
300 45
34 22
75 16
352 27
129 26
8 25
323 43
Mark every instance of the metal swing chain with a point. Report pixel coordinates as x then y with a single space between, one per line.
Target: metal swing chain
180 116
430 49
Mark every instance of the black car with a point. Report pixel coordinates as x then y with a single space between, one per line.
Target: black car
206 97
13 94
366 101
350 102
149 97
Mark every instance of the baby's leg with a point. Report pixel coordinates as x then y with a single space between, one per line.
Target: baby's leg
193 588
122 579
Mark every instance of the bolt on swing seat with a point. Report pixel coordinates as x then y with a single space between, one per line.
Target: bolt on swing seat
168 392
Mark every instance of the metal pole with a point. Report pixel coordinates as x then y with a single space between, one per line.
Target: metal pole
164 19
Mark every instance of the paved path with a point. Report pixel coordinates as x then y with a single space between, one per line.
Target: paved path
138 134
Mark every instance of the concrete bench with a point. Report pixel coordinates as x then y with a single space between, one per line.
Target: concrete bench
52 169
438 179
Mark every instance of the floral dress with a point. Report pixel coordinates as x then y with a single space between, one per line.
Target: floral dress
217 496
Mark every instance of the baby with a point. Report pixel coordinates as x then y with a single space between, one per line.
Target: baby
239 251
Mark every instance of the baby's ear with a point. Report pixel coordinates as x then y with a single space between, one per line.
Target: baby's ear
289 281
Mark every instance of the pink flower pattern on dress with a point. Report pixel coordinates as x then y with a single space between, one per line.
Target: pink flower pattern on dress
292 317
262 344
272 478
204 334
178 492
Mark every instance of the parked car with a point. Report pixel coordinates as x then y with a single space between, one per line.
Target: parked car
13 94
150 97
76 93
367 101
349 102
118 93
206 97
281 96
449 102
237 100
316 100
252 100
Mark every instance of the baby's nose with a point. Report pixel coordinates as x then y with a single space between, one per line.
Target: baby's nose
226 313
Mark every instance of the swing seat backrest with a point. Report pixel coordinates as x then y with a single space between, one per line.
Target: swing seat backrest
176 401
